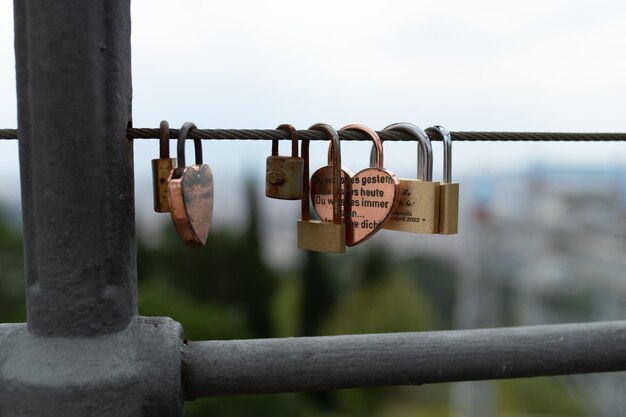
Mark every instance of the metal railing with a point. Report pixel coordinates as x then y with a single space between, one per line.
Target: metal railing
86 351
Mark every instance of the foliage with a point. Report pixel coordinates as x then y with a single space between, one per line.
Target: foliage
12 297
228 291
543 396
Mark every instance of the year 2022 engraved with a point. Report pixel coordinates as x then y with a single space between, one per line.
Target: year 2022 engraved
404 211
418 208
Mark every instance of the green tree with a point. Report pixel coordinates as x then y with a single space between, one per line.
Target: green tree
12 295
228 273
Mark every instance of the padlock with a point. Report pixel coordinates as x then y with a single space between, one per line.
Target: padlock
418 209
318 235
190 194
449 194
283 174
161 169
321 191
372 194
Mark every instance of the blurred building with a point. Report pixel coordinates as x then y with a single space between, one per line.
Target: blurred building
546 246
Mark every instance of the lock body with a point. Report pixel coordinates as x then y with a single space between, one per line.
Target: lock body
190 193
283 177
319 236
449 209
161 169
418 207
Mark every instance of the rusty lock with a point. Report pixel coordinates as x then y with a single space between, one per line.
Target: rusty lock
283 174
161 169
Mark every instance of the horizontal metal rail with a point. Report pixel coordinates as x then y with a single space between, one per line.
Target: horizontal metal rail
272 134
333 362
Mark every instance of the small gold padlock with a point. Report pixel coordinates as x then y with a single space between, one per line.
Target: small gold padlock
418 209
317 235
449 195
161 169
190 194
283 174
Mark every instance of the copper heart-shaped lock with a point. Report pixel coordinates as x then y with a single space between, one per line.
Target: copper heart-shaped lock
190 194
321 191
370 195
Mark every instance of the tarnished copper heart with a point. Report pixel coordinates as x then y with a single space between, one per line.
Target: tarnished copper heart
322 193
190 194
372 199
369 199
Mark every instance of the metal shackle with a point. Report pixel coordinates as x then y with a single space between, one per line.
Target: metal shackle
293 133
334 155
376 156
164 140
446 137
424 148
182 136
304 153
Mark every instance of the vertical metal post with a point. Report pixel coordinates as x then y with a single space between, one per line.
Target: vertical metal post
74 105
85 351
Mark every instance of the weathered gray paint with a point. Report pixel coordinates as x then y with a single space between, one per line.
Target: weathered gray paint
333 362
134 372
74 100
85 350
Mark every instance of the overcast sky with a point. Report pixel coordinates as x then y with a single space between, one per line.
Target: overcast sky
467 65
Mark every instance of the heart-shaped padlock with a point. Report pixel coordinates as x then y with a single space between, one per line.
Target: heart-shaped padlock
370 195
190 194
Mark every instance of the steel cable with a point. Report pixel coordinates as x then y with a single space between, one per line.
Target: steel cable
271 134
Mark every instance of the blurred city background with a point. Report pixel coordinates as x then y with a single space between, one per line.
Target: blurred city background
542 226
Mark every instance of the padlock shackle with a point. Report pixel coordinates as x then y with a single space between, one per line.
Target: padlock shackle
164 140
334 161
293 133
446 137
304 152
184 131
424 149
376 161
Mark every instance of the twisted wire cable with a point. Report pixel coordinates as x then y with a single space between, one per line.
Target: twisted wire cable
272 134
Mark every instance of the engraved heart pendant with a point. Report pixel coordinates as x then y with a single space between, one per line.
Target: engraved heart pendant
369 197
190 194
371 200
191 202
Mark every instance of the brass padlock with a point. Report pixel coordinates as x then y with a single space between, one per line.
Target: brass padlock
283 174
161 169
418 209
318 235
190 194
449 195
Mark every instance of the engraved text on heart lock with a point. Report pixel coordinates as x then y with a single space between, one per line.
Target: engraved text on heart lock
370 196
190 194
321 191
